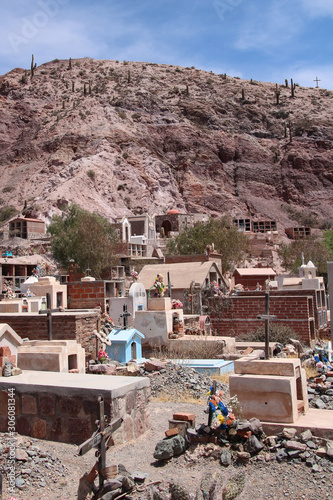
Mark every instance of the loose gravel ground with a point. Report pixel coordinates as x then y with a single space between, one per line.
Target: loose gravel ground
52 470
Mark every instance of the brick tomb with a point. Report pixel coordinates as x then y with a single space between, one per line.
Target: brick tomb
64 407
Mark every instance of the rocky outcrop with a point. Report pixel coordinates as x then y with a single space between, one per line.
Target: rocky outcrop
134 137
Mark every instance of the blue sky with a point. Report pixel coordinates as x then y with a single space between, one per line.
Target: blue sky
267 40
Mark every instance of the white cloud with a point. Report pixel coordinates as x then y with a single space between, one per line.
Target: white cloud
268 25
305 76
317 8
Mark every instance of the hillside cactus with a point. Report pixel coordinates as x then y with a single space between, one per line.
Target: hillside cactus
277 94
33 66
70 63
292 88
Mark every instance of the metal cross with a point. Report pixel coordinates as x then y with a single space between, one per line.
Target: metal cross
316 80
169 285
266 317
125 315
99 440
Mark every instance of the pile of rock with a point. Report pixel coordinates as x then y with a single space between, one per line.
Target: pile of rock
178 380
245 441
33 467
320 391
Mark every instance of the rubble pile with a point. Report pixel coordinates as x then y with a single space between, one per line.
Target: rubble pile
320 386
33 467
320 392
245 442
177 380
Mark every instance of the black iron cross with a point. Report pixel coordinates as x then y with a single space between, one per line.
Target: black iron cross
125 316
316 80
99 440
266 317
169 285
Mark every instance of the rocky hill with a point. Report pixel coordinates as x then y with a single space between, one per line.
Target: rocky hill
133 137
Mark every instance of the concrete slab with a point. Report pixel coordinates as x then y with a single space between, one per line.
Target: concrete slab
320 423
208 367
56 382
241 346
64 406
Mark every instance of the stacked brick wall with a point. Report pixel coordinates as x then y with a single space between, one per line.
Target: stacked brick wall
78 327
240 314
69 415
86 295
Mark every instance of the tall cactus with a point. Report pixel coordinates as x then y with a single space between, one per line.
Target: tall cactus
32 67
292 88
277 93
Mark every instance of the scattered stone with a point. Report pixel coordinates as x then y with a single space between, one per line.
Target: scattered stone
168 448
306 436
329 449
295 445
318 403
253 445
225 457
21 455
243 456
289 432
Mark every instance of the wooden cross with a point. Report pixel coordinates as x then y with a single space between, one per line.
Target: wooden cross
316 80
125 315
169 285
99 440
266 317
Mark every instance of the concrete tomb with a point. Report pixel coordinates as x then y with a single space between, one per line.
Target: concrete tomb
64 407
9 343
272 390
52 356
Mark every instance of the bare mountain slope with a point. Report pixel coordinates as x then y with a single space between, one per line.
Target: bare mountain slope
124 136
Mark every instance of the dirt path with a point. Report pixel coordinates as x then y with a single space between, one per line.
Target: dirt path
263 480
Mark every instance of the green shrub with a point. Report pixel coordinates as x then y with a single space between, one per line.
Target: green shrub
91 174
7 213
277 333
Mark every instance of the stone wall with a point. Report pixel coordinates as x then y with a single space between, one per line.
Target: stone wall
68 414
239 313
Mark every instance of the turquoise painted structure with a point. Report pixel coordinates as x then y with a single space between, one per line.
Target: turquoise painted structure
208 366
125 344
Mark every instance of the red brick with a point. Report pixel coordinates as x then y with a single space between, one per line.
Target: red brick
29 404
185 417
172 432
39 428
5 351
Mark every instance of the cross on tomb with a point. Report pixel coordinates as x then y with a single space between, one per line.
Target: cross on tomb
169 285
100 440
266 317
125 316
316 80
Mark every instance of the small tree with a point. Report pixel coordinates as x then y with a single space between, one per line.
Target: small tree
313 249
87 238
228 241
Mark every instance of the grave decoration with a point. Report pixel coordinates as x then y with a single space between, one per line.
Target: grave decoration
219 415
159 286
135 276
177 304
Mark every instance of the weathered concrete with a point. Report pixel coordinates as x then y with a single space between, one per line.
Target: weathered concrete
319 422
64 406
272 390
51 355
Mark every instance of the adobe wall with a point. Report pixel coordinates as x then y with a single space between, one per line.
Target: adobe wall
86 295
239 314
77 326
67 413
